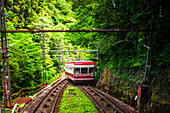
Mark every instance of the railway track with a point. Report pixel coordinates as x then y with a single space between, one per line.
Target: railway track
49 100
46 102
105 104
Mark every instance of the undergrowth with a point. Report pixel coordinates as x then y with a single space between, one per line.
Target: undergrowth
77 102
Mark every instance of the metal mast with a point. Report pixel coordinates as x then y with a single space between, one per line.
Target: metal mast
59 58
6 83
98 61
43 55
62 59
44 58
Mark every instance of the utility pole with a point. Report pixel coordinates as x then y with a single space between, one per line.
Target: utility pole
59 58
62 60
98 61
68 54
79 56
43 56
147 57
76 54
5 73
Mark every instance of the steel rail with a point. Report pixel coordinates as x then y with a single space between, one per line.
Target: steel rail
94 100
106 30
110 100
46 96
58 97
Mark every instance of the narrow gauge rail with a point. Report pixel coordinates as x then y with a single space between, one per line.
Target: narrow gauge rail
101 107
106 104
117 106
46 105
31 105
54 109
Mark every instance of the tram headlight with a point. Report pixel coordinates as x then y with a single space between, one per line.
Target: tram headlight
91 76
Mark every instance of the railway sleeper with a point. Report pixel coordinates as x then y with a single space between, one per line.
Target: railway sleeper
48 99
96 94
45 106
92 91
108 105
102 99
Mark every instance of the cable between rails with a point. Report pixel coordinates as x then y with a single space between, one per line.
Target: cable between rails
111 101
95 100
58 97
45 97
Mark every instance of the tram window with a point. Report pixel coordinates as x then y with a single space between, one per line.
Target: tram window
77 71
91 70
83 70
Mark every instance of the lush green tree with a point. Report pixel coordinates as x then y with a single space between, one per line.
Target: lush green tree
26 52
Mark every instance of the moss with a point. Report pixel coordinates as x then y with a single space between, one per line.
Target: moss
155 98
127 87
165 102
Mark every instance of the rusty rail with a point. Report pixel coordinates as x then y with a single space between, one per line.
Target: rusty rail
30 90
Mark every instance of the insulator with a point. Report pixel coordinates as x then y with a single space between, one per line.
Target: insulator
6 77
2 70
3 51
6 56
148 66
39 34
42 58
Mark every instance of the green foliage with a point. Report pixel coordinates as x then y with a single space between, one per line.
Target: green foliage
25 52
122 52
123 99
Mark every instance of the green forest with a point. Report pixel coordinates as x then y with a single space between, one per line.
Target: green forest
123 53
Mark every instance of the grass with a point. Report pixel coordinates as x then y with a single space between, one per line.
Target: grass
77 102
7 111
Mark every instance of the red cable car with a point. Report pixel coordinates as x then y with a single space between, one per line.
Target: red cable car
80 70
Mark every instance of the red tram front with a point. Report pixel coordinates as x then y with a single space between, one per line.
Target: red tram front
80 70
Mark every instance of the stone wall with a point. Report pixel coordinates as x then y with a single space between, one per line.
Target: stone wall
156 98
